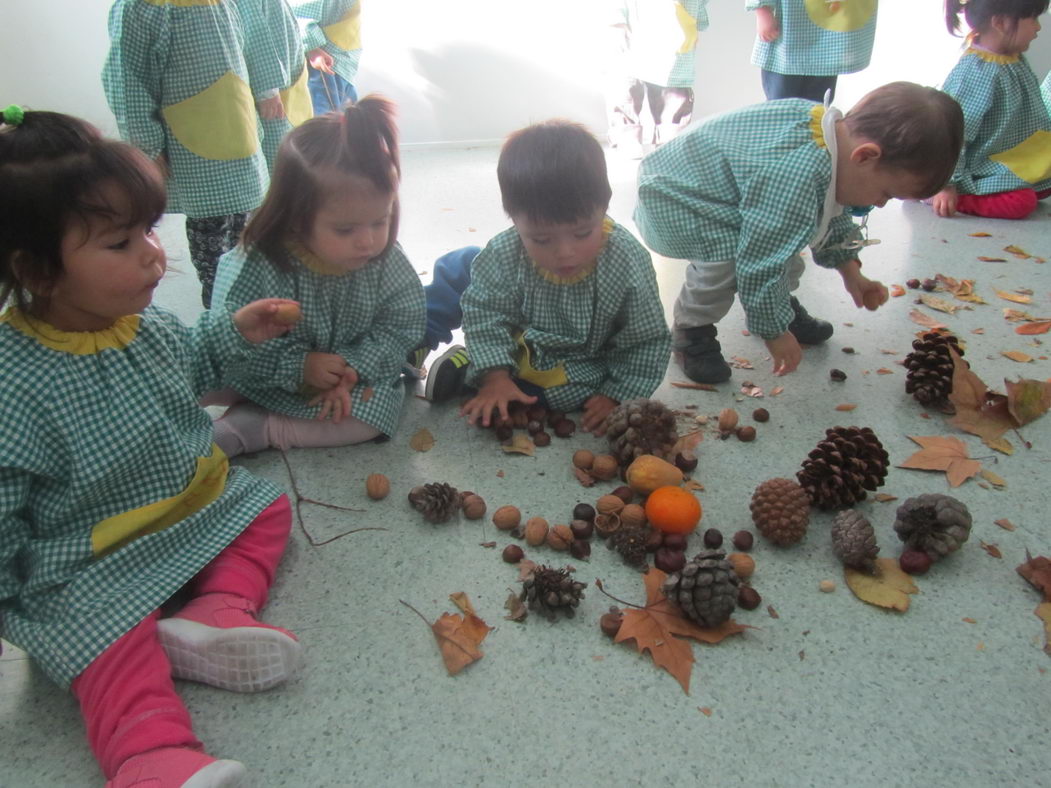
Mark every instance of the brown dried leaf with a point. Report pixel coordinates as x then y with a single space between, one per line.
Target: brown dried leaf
776 390
884 371
687 442
1018 252
1037 572
517 611
887 587
1016 355
520 444
1017 315
896 291
739 362
1028 399
968 621
884 498
978 411
525 568
691 484
1035 327
682 384
980 234
985 259
991 549
846 407
925 320
705 711
771 612
943 454
1004 523
422 440
934 302
1018 299
584 477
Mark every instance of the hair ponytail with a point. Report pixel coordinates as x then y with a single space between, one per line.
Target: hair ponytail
979 13
370 142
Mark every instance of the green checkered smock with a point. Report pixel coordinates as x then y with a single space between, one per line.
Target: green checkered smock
606 330
335 26
89 432
1007 131
372 317
819 38
663 39
754 185
176 80
1045 91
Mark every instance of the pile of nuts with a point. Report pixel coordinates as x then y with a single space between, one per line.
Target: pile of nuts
533 419
728 424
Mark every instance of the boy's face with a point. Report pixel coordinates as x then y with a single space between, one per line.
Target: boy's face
563 249
876 184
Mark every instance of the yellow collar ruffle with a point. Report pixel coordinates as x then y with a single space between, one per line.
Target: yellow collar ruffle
79 343
584 273
817 114
992 57
312 261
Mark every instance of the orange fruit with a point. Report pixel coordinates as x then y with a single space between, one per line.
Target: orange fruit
673 510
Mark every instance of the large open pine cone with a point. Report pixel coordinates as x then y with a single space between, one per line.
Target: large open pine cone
929 365
934 523
853 540
780 510
847 462
705 589
437 502
551 591
641 426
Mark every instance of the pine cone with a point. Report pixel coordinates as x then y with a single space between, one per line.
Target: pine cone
705 589
641 426
854 541
780 510
847 462
551 590
437 502
929 365
631 544
934 523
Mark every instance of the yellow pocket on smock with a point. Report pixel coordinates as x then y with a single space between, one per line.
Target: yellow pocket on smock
1030 159
346 33
219 123
840 16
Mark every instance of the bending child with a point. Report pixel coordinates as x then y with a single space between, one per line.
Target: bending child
562 308
113 496
741 194
326 235
1005 166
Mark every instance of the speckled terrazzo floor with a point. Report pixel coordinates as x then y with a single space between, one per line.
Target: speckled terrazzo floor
833 692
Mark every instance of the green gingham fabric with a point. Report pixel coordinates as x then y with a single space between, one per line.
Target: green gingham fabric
749 185
806 48
1002 107
162 54
656 35
1045 91
608 329
372 317
86 437
316 14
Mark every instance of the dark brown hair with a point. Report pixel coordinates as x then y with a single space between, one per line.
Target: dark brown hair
361 140
918 129
553 172
979 13
53 168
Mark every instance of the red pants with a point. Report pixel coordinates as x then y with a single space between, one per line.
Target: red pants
1002 205
127 696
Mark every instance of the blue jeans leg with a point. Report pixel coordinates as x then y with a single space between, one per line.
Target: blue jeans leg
452 275
329 92
779 86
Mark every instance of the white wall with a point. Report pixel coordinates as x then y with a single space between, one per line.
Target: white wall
465 70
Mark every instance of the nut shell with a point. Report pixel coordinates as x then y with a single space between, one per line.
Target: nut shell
559 537
604 467
633 516
583 458
536 531
377 486
474 508
609 504
728 419
507 517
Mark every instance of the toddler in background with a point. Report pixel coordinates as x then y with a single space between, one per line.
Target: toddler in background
177 82
326 236
563 307
331 31
113 496
741 194
1005 166
803 45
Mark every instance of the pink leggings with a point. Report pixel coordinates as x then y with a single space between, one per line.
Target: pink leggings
1016 204
127 696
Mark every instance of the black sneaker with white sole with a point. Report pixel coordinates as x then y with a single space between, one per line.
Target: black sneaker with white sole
447 374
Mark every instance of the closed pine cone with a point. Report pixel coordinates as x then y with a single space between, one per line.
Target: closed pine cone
705 589
848 461
934 523
853 540
930 367
641 426
781 511
437 502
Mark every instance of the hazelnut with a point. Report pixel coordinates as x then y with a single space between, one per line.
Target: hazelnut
513 554
929 284
536 412
507 517
584 511
669 560
534 427
654 540
746 434
625 493
611 621
675 541
559 537
713 538
582 458
580 549
748 598
685 461
607 524
761 415
474 508
565 428
727 420
912 284
582 529
554 417
609 504
743 540
504 432
541 439
914 562
535 531
743 564
377 486
826 586
604 467
633 516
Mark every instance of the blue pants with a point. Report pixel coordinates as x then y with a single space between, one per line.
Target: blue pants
779 86
452 275
329 92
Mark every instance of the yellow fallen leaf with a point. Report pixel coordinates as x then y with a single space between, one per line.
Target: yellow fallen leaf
980 235
1016 355
1017 315
520 444
916 316
934 302
887 587
1017 252
1018 299
1000 444
422 440
1043 612
993 479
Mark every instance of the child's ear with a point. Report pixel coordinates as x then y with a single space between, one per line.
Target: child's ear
866 153
23 272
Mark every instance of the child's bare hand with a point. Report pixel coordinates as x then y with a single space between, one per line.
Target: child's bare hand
265 319
785 352
320 60
324 370
944 202
596 408
271 108
766 26
866 292
496 392
335 403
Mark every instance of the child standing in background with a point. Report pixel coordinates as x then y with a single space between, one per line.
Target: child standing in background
113 496
655 49
803 45
331 31
326 236
177 82
743 193
1005 166
563 307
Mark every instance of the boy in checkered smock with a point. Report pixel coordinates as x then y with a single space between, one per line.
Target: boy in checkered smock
331 31
1005 166
654 64
177 82
563 307
803 45
740 196
113 496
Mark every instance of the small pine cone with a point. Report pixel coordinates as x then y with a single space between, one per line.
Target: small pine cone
854 541
848 461
551 591
631 544
929 365
641 426
437 502
933 523
705 589
781 511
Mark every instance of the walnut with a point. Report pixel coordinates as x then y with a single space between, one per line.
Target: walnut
507 517
536 531
377 486
609 504
604 467
560 537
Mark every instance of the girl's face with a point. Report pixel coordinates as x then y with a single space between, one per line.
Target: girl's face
108 270
1011 36
351 226
1025 34
562 249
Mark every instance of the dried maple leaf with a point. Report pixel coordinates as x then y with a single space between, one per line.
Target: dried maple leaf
654 629
943 454
1037 572
520 444
1027 399
1018 299
1016 355
978 411
422 440
991 549
916 316
458 636
887 587
1034 327
934 302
